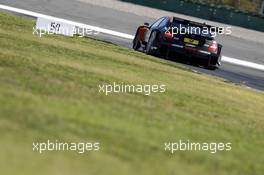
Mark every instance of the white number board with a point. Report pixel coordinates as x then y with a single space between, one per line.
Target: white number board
55 27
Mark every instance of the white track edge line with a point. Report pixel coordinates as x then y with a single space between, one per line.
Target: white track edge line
243 63
120 34
39 15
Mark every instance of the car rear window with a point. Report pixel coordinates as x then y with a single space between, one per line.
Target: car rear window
182 28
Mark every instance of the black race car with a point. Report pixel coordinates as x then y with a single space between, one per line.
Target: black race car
184 38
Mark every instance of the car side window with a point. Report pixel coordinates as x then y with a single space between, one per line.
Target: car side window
156 24
163 23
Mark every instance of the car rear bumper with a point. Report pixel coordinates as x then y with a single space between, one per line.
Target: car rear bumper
187 51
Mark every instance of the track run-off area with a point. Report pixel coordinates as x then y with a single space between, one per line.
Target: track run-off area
237 69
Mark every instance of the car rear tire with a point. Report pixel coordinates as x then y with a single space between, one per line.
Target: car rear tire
151 43
213 63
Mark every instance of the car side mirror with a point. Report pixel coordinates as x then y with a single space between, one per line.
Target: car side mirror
146 24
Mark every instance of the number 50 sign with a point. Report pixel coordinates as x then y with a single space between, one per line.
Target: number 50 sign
55 27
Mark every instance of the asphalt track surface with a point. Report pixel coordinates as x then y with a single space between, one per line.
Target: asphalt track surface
127 23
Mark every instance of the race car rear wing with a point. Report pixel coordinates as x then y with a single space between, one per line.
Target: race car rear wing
193 23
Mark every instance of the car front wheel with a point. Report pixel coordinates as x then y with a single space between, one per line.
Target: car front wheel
136 42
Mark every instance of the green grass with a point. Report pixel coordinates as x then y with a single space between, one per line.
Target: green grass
245 5
49 90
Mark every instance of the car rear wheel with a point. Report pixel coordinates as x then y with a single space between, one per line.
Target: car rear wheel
213 62
151 43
